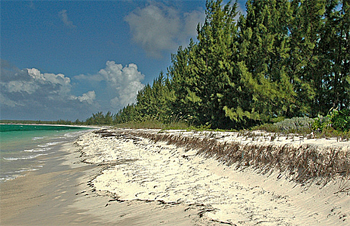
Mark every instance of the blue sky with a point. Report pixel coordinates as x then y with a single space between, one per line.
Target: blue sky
69 59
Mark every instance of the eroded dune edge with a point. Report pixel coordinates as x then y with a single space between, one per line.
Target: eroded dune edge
231 178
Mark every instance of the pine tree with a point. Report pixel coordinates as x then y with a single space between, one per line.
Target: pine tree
263 55
304 67
335 58
154 102
284 58
184 85
211 62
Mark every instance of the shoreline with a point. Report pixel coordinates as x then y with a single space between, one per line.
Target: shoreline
121 178
41 197
60 193
22 148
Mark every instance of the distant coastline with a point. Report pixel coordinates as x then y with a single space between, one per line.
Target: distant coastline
44 123
35 122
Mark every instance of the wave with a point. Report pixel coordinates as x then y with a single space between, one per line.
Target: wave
7 177
73 134
18 173
22 158
50 144
37 150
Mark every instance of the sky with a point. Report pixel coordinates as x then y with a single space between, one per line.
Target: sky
69 59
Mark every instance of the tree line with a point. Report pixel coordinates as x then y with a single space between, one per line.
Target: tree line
282 59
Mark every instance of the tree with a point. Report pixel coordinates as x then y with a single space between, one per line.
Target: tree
333 89
153 102
263 54
284 58
184 84
200 73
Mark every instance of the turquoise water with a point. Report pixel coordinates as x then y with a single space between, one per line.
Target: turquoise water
23 146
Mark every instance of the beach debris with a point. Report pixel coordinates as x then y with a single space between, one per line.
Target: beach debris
303 162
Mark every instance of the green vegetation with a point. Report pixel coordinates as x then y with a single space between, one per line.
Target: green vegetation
286 59
283 59
294 125
340 119
337 120
152 124
335 124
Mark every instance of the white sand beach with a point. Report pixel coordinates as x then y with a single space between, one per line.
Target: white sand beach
120 177
139 169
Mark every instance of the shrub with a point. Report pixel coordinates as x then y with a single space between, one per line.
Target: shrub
321 123
341 120
295 125
338 120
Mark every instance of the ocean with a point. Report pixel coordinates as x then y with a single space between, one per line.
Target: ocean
24 148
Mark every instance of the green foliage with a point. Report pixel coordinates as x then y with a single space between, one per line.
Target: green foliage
205 127
262 66
281 60
337 120
152 124
100 119
294 125
321 123
341 120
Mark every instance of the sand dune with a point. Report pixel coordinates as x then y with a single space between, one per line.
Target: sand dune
136 168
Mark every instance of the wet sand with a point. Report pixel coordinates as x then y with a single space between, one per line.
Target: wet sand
60 194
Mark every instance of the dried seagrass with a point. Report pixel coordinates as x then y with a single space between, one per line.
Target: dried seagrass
302 163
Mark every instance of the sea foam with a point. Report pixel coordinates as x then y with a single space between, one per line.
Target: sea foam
22 158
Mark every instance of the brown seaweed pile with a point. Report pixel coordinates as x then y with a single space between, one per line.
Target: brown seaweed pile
301 163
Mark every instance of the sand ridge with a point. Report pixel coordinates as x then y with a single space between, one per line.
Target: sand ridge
143 170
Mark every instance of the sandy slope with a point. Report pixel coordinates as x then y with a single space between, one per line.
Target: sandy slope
59 194
143 170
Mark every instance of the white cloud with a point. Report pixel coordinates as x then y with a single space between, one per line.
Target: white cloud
7 102
191 21
160 28
31 94
89 97
122 83
28 91
21 86
64 17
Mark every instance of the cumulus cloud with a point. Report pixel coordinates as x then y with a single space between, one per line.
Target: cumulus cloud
89 97
158 27
122 83
64 17
31 91
31 94
7 102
